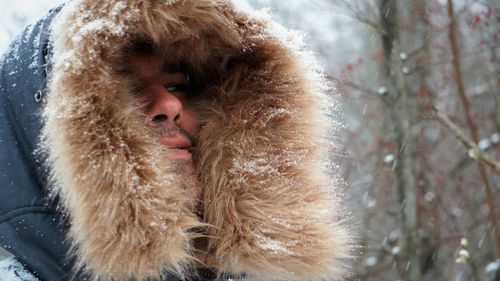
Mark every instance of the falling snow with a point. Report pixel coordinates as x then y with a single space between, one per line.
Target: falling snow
449 190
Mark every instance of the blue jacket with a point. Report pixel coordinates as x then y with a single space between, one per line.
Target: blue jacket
30 227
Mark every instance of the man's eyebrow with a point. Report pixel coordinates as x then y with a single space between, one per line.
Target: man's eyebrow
183 68
175 68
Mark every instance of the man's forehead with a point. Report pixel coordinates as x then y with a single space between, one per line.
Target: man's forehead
160 60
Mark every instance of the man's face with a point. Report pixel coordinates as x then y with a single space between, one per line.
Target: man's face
166 97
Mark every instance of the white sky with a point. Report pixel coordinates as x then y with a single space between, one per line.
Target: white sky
16 14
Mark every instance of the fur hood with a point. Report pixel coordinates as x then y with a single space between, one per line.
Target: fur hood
270 207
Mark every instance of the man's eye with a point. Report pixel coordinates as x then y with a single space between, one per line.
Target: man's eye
176 88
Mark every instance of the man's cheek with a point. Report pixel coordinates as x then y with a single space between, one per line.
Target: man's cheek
192 123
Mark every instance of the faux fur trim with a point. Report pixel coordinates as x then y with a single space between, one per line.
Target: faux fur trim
271 208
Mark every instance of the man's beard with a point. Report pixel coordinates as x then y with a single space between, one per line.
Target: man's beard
182 169
185 175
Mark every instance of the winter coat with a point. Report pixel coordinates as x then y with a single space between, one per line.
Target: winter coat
30 226
83 190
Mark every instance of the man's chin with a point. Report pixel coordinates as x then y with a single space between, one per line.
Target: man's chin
184 172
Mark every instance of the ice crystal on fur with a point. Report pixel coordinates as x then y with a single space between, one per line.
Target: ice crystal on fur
273 246
261 152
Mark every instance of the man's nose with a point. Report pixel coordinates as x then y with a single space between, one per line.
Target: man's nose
164 107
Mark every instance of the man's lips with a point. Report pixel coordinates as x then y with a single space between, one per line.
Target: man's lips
177 147
178 141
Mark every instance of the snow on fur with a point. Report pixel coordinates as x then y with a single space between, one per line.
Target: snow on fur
270 207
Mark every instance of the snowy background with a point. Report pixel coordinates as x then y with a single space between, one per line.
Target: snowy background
16 14
423 210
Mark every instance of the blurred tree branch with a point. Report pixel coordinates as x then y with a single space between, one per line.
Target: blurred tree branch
358 87
363 15
472 126
466 54
473 149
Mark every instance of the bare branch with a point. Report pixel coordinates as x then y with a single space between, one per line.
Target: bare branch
356 86
448 60
473 149
361 15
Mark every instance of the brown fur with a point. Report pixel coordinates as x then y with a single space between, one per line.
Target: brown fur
269 206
